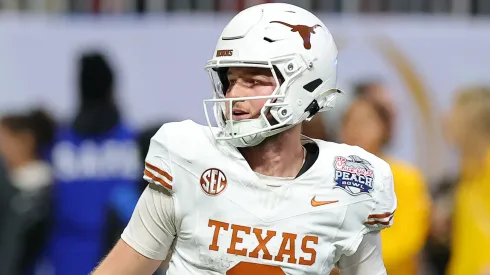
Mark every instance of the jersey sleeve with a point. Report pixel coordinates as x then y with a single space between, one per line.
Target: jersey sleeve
367 260
158 163
385 202
369 213
152 229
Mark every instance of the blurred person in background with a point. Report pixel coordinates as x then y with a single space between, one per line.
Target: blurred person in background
95 160
438 247
25 193
3 183
315 128
369 123
468 129
326 126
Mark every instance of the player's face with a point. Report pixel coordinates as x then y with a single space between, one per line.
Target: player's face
363 127
246 82
14 147
457 126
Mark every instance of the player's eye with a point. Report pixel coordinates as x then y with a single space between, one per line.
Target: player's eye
253 81
261 82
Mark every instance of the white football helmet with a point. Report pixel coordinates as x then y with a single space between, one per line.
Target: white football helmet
298 49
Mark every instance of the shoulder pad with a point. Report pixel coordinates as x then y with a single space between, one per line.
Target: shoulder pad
172 142
157 161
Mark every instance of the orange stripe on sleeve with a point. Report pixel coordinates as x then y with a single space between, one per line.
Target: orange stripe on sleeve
378 219
159 171
379 222
380 216
157 179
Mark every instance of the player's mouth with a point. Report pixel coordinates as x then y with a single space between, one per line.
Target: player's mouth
239 114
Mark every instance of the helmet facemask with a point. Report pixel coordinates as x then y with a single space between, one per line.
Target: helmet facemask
275 116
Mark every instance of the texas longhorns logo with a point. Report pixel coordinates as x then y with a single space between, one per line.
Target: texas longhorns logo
303 30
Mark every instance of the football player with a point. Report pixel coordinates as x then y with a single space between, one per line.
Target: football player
253 196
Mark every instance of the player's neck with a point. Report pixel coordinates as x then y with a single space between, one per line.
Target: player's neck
279 156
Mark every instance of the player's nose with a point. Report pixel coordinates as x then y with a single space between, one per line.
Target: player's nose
236 90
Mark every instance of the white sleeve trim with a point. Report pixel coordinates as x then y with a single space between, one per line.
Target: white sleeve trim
154 255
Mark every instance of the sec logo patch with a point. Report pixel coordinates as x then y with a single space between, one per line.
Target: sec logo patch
213 182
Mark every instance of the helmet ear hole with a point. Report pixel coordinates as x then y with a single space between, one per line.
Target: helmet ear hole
311 87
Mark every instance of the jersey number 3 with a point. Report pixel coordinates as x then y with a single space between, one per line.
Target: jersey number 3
244 268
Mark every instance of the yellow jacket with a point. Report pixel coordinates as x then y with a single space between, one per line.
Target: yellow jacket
471 222
403 242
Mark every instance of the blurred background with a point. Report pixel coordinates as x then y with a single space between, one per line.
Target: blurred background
84 84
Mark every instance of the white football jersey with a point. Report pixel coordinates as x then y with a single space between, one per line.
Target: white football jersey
229 220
